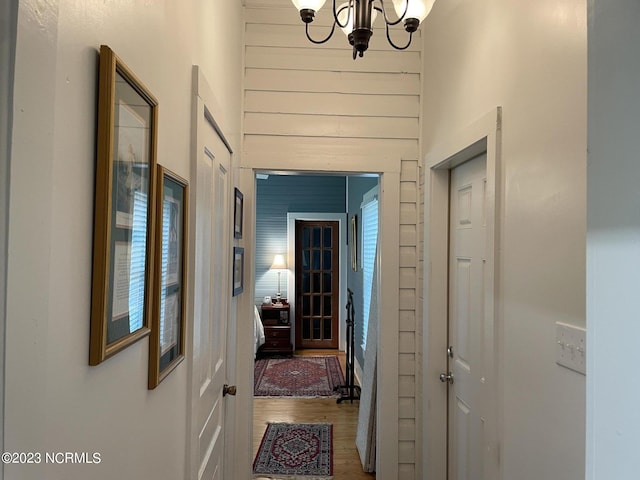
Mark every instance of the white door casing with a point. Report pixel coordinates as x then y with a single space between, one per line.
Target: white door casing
482 136
467 232
387 412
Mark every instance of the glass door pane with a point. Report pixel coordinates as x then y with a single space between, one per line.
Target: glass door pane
317 275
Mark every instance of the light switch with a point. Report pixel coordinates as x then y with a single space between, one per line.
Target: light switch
571 347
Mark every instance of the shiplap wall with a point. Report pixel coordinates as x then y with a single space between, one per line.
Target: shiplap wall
304 101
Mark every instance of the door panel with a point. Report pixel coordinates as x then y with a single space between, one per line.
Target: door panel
466 277
211 306
317 284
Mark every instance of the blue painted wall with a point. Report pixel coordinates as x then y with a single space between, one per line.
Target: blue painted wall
277 196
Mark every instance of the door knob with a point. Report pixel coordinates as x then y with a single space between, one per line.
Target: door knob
446 377
229 390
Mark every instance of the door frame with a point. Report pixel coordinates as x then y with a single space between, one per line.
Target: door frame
388 341
483 136
341 218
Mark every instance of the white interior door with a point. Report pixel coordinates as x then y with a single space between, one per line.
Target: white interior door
211 292
467 234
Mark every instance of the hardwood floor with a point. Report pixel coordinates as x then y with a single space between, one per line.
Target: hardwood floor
344 417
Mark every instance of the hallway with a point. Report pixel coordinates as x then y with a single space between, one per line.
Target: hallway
549 89
344 417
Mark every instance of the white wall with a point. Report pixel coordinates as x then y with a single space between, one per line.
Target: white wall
613 236
54 400
529 58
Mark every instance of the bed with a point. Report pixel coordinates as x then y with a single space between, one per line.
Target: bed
258 330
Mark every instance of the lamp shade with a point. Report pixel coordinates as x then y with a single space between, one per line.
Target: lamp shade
314 5
279 263
417 8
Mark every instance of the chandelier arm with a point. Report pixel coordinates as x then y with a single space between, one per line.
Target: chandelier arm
396 46
383 10
350 6
325 40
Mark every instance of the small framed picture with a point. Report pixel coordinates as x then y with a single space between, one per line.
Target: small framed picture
123 232
237 214
168 325
353 240
238 270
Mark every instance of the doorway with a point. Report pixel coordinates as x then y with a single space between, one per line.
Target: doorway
388 173
320 208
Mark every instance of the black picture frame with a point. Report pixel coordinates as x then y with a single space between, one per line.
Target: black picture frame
238 270
238 208
353 240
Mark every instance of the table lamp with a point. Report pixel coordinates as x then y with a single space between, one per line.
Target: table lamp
278 264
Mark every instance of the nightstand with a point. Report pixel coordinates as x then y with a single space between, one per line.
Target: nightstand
277 329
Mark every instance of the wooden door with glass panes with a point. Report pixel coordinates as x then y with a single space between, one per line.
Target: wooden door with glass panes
317 284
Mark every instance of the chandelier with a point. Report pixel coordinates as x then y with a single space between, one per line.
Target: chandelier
356 18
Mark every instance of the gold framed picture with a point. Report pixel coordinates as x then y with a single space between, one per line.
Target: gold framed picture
167 340
124 209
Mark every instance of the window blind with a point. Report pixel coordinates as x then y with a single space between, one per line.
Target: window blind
369 243
138 261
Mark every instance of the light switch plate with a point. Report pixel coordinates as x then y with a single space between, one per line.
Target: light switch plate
571 347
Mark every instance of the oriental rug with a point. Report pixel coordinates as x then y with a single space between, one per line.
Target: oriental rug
306 377
296 451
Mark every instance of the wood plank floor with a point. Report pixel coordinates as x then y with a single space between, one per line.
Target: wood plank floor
344 417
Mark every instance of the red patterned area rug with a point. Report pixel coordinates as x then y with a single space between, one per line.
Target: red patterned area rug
296 451
308 377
